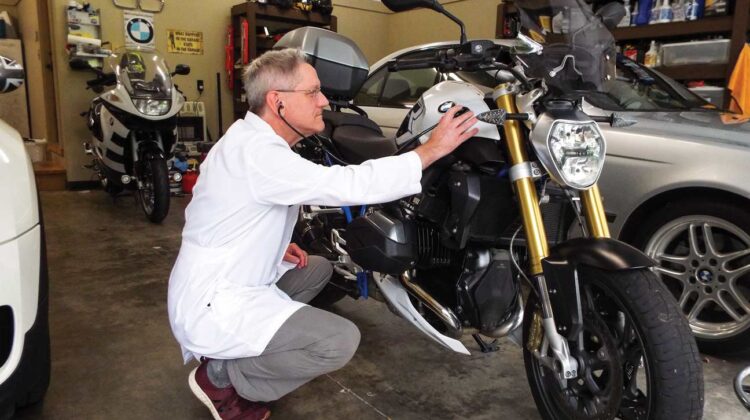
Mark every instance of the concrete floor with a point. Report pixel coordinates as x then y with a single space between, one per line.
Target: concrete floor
114 356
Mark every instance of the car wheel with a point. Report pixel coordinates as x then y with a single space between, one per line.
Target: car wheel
703 252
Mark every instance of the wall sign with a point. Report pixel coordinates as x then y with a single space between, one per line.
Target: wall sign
139 30
185 42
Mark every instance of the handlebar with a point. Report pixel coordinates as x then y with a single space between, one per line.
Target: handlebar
470 56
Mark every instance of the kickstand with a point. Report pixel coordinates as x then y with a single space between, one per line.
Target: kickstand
485 346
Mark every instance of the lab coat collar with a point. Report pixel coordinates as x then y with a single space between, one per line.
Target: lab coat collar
257 122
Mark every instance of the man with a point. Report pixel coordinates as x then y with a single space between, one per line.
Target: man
238 289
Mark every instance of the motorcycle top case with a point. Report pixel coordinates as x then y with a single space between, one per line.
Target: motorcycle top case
382 243
342 67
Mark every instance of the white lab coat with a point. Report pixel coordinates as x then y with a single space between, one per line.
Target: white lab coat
223 302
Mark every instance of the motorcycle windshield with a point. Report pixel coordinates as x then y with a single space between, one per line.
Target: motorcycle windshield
578 53
144 74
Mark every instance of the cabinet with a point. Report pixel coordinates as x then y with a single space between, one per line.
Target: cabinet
266 23
734 28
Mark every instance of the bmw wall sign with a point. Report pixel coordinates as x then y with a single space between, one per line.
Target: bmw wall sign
139 30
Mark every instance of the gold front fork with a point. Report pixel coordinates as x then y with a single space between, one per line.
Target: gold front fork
593 209
536 237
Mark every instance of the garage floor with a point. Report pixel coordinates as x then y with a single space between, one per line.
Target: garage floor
114 356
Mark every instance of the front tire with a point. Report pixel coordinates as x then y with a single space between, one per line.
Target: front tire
641 360
154 196
703 248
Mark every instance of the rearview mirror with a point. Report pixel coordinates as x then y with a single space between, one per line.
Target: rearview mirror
404 5
11 75
181 69
611 14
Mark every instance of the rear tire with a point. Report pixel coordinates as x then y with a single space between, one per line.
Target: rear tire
634 312
154 196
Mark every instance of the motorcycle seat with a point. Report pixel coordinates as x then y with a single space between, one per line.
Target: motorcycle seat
357 137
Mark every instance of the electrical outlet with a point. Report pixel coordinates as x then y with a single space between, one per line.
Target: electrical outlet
200 86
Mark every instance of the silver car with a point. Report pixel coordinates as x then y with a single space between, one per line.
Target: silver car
675 184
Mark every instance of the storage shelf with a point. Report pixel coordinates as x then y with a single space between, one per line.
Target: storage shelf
291 15
695 71
709 25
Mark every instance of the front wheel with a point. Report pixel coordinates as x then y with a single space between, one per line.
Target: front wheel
154 193
637 358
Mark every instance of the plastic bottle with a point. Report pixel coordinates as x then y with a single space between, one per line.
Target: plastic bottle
678 11
634 16
654 14
665 12
625 19
644 12
651 55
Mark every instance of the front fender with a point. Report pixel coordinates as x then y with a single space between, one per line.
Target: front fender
560 274
148 150
602 253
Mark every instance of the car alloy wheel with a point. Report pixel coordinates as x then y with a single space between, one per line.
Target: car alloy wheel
705 261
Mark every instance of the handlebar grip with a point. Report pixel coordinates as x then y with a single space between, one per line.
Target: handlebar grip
413 65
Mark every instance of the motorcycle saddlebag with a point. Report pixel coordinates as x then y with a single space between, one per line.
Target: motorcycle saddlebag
342 67
379 242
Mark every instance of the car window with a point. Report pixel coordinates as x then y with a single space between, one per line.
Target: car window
399 89
638 88
369 94
403 88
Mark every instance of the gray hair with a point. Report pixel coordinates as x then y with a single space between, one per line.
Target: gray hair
275 69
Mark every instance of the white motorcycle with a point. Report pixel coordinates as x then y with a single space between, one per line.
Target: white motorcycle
134 126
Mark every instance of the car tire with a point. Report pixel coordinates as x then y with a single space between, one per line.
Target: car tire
712 285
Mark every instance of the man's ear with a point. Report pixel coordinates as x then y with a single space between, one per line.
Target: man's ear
273 100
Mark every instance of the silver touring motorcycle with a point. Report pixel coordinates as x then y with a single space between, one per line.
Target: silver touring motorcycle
134 126
483 250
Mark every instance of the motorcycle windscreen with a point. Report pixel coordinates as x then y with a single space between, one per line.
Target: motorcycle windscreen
144 74
579 51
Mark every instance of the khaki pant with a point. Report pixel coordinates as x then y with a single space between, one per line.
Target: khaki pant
310 343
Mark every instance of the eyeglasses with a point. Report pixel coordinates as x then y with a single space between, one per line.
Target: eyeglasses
312 93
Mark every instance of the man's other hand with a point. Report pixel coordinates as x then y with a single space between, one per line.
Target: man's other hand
450 132
295 255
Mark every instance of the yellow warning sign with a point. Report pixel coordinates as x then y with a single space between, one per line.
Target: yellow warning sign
185 42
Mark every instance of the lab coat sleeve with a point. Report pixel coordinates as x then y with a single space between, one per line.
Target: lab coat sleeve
280 176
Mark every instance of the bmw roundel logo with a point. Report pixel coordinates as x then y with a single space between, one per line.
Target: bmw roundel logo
140 30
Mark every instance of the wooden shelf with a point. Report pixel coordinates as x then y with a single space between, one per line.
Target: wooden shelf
271 12
711 25
695 71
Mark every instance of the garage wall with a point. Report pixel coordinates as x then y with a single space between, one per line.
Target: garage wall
28 18
421 26
366 23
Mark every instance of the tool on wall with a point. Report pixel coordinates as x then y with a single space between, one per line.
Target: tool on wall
245 47
228 62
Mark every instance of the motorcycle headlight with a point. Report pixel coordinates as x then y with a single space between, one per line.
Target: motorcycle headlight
152 107
572 151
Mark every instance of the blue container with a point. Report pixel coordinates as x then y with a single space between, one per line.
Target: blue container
644 12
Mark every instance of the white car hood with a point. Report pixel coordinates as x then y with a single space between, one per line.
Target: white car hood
18 199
